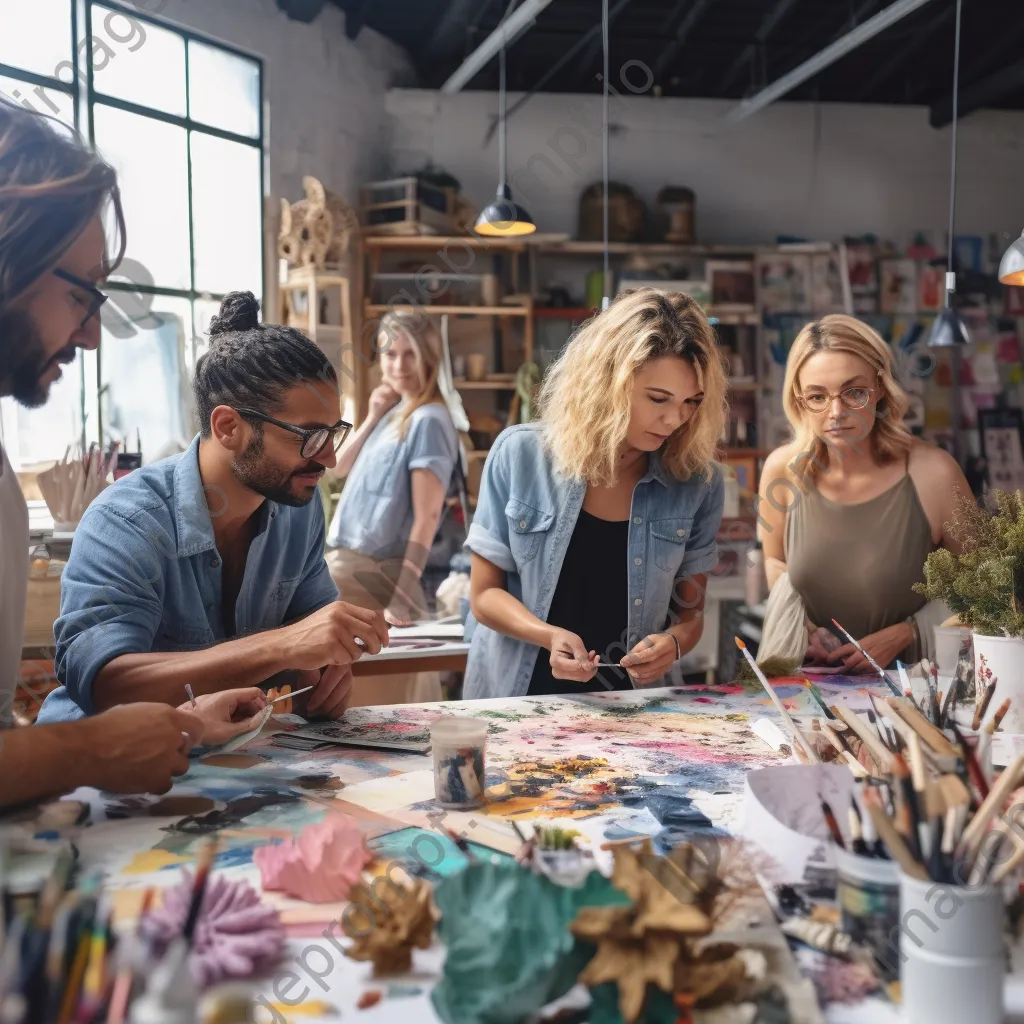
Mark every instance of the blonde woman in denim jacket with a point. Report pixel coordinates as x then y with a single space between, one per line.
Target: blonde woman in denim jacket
595 527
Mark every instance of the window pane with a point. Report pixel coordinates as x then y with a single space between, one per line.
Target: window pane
223 90
43 101
36 36
152 165
226 210
40 435
137 61
144 385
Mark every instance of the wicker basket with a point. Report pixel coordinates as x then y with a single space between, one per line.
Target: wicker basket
626 214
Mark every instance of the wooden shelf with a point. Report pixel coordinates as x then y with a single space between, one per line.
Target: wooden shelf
462 384
571 248
563 313
452 310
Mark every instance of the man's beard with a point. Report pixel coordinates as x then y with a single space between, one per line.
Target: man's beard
267 478
23 359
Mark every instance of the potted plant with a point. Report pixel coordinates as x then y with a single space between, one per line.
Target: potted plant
984 586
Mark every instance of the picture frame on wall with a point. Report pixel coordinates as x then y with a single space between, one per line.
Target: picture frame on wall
784 282
745 469
1002 447
899 286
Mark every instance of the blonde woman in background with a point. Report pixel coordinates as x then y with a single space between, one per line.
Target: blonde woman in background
398 467
595 527
850 509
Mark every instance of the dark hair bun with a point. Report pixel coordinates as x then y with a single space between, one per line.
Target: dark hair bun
240 311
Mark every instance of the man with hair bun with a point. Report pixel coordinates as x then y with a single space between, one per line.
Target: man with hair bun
53 194
208 567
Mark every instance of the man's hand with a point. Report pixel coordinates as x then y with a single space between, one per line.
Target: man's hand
569 658
331 694
650 659
883 646
227 714
138 748
328 636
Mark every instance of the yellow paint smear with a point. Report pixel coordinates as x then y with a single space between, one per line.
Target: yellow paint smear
153 860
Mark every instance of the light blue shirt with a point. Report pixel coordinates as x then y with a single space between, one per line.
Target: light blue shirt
525 516
375 513
145 575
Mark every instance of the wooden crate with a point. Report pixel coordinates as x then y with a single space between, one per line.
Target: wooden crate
406 206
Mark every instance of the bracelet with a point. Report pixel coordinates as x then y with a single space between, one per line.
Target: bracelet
912 623
675 640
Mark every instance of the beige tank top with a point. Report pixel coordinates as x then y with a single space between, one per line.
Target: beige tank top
858 563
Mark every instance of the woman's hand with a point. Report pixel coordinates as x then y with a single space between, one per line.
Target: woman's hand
226 714
382 398
821 642
650 659
569 658
883 646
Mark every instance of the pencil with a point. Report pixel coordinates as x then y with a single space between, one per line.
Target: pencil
982 706
777 701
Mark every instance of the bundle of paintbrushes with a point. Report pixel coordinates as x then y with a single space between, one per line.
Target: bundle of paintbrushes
70 485
60 962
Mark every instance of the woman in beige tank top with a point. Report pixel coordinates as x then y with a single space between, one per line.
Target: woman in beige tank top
852 506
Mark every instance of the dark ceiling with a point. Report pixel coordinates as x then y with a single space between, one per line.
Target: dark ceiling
722 48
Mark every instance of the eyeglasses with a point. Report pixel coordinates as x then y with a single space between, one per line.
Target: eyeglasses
852 398
96 298
314 439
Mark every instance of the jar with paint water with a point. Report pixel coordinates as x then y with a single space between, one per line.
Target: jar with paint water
458 746
868 894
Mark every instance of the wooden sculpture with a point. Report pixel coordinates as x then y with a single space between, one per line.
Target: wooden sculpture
315 231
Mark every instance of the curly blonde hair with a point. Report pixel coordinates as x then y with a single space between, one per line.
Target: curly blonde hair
585 400
840 333
426 342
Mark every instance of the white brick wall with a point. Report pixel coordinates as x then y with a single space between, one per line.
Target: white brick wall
325 92
819 172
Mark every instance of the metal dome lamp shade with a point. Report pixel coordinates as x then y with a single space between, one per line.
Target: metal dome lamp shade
502 218
1011 266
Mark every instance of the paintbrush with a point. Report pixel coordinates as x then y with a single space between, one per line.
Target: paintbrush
857 843
982 706
984 748
204 862
819 699
293 693
461 843
894 843
974 773
908 820
191 696
991 806
871 661
833 825
933 699
812 757
919 782
118 1009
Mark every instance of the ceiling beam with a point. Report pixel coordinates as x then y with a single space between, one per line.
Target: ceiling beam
771 19
449 32
1004 82
682 33
509 29
904 52
823 58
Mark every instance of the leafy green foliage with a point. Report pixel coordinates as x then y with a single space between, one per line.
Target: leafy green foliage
984 584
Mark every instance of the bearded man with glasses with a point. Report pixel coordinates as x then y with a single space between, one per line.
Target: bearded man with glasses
208 567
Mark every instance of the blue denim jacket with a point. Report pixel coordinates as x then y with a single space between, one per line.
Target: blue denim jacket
375 513
145 575
525 516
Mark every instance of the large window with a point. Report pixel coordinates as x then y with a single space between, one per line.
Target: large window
181 118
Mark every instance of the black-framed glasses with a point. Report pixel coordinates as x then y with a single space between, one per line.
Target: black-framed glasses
852 399
314 439
96 298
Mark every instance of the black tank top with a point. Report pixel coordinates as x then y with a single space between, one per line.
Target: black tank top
591 600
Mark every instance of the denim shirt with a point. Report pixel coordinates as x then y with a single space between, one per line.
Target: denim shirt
375 513
145 575
525 516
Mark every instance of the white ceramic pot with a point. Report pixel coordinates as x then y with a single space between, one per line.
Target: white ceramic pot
947 647
1003 657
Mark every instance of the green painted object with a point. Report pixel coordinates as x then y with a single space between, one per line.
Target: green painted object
510 951
604 1007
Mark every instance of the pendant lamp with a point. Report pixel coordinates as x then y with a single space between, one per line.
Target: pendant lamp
1011 266
606 280
948 330
502 217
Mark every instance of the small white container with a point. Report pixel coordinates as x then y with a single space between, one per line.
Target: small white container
458 746
952 953
947 647
1004 659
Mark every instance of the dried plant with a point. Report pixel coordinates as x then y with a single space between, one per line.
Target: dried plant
984 583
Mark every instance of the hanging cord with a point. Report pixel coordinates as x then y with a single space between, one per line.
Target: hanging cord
950 278
606 286
501 117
